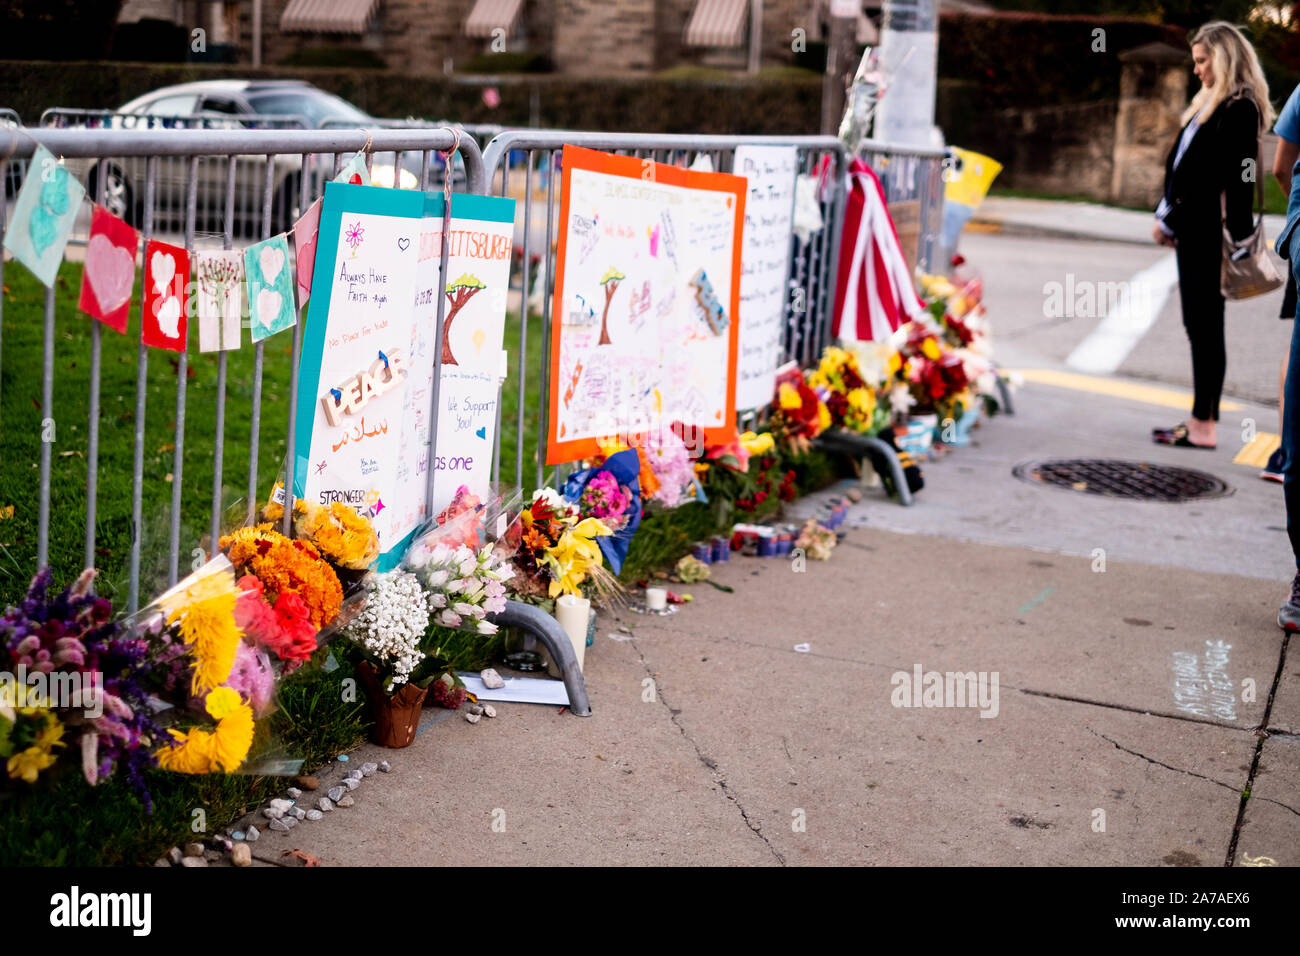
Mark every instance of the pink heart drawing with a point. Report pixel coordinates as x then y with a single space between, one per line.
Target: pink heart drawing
110 270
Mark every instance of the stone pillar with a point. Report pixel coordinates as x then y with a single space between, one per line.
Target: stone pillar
1153 94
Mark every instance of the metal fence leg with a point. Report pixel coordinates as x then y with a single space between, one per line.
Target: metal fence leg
546 629
866 446
1004 392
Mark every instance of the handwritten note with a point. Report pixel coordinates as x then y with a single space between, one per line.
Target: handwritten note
765 262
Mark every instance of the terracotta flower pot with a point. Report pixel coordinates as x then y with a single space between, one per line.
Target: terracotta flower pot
396 715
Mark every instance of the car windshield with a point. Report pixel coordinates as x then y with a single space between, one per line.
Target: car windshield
314 105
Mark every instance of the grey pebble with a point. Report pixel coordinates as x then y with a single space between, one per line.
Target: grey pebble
347 800
194 849
491 679
336 792
253 834
314 815
192 861
385 767
489 710
475 709
282 805
298 812
162 861
355 775
325 804
473 718
294 792
175 855
283 825
351 784
271 813
368 769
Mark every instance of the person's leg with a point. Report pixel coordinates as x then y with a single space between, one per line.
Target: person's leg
1289 615
1202 307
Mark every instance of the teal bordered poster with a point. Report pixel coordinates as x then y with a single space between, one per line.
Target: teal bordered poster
368 354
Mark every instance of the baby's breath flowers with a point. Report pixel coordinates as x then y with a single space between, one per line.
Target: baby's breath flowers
391 625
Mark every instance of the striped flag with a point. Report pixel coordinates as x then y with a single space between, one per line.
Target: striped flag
874 294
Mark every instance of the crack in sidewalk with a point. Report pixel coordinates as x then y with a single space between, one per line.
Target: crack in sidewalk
707 761
1158 763
1261 732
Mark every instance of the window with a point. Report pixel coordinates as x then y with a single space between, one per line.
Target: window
178 105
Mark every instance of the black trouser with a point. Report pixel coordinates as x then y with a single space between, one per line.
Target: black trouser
1200 257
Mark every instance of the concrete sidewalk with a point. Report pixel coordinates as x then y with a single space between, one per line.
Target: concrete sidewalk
1080 221
1121 735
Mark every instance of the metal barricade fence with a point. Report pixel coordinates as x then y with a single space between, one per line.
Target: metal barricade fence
811 272
913 175
267 372
123 195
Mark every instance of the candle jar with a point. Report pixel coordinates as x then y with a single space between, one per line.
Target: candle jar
656 599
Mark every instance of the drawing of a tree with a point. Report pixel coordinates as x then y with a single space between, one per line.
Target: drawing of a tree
219 277
610 281
458 293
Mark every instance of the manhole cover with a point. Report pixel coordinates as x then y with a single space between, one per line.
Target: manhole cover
1123 479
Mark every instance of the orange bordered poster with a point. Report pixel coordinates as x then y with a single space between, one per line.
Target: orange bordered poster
647 289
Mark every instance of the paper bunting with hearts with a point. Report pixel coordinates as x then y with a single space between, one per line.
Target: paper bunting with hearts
270 287
43 216
305 232
220 279
354 171
166 274
109 275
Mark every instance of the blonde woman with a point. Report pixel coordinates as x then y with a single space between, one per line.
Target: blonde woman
1212 166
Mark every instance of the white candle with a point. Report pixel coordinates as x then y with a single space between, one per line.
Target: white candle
656 599
574 613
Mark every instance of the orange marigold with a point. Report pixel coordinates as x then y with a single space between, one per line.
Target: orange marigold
342 535
285 565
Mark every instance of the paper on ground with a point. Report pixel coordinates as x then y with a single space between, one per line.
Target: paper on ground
520 690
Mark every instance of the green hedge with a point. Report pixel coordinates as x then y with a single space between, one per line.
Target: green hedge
780 105
1033 59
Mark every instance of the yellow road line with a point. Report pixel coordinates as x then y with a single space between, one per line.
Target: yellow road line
1257 452
1148 394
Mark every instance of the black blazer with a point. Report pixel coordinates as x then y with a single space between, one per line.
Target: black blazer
1214 165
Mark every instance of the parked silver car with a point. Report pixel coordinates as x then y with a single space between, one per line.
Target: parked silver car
226 104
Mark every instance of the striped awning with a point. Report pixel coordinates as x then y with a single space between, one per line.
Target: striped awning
489 15
717 23
328 16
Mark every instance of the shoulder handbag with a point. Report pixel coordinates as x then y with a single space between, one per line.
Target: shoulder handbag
1247 269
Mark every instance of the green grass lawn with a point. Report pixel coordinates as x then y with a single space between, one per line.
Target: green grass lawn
1275 201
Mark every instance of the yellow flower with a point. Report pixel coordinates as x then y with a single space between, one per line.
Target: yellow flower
575 554
233 738
207 583
51 735
221 702
930 349
210 627
823 417
193 754
28 764
895 363
788 396
701 467
757 444
201 751
862 400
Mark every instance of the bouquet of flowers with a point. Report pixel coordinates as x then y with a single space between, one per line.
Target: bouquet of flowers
342 537
669 461
462 586
610 492
284 566
932 374
390 627
798 415
197 643
73 682
553 548
851 401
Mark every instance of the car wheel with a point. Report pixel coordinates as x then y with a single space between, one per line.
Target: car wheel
119 199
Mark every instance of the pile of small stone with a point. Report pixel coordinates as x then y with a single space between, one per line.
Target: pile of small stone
282 815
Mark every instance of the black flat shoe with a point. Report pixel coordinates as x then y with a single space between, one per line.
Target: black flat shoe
1177 436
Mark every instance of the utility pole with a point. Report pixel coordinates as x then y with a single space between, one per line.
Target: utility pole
909 60
840 62
755 35
257 32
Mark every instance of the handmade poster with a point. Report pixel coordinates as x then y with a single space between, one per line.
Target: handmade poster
305 232
270 288
166 274
109 274
478 266
647 289
42 217
369 350
220 299
765 263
